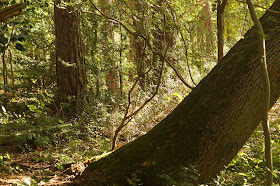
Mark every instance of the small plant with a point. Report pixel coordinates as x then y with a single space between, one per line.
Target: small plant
134 181
4 159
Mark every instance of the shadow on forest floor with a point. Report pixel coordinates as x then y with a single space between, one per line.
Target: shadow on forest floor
18 167
29 168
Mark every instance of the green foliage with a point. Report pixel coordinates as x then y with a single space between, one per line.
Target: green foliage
248 167
4 159
179 176
134 181
28 113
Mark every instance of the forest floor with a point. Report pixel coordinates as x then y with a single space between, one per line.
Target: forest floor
33 168
29 168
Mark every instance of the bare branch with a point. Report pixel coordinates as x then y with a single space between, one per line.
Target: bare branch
146 40
267 9
127 118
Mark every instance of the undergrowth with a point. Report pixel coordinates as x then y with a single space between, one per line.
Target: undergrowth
248 167
30 124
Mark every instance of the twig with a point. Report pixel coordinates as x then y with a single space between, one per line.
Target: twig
122 125
267 9
174 19
266 85
143 37
127 118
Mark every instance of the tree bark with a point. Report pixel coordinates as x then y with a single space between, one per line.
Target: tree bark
208 128
70 62
205 29
266 85
11 11
221 27
112 79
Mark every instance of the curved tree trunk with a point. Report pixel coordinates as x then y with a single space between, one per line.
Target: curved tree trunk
70 62
208 127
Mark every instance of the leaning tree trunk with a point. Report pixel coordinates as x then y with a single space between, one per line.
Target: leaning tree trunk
208 127
70 62
11 11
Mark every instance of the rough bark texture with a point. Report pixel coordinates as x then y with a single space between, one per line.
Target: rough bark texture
266 85
70 62
208 127
11 11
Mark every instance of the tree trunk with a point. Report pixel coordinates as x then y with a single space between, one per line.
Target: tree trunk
220 27
137 44
208 128
11 11
112 79
205 29
70 62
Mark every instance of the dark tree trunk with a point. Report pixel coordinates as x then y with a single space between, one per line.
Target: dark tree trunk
70 62
208 127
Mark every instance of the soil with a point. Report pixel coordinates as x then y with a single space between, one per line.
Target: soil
25 167
28 167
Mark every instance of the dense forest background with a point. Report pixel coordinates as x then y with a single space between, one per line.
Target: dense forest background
129 65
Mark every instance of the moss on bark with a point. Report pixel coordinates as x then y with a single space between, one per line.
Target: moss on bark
208 127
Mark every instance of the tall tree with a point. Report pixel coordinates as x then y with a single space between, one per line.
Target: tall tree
112 79
205 29
220 27
137 44
208 127
69 56
6 13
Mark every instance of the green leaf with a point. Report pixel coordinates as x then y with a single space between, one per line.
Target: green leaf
3 39
60 121
178 95
60 167
20 47
2 48
14 38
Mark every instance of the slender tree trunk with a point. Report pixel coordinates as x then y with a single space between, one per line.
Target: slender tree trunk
112 79
220 27
205 29
138 44
266 85
11 68
69 57
5 71
208 128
